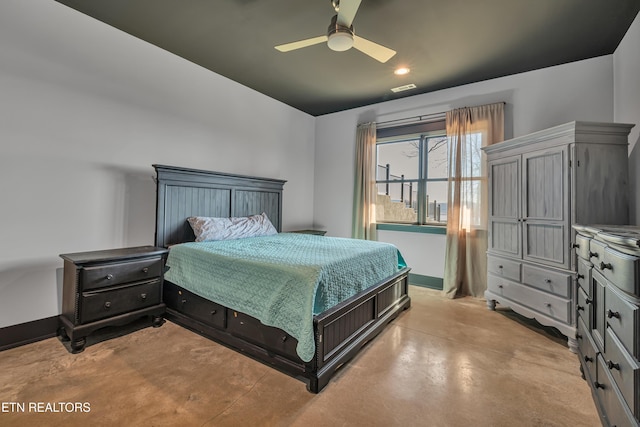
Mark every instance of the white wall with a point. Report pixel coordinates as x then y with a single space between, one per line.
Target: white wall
85 111
626 68
535 100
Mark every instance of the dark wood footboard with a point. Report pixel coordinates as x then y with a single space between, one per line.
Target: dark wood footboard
339 332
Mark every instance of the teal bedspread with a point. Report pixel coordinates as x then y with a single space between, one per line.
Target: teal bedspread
284 279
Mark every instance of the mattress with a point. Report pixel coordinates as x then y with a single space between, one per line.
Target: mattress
284 279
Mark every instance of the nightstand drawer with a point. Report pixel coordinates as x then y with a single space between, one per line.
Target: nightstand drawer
115 274
107 303
621 270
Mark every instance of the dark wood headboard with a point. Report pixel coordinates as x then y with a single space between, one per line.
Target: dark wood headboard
183 192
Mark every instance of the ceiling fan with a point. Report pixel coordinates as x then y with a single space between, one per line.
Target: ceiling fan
340 35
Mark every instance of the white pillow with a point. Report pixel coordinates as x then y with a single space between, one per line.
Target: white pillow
207 228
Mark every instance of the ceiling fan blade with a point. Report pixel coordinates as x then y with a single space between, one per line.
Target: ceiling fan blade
347 11
374 50
301 43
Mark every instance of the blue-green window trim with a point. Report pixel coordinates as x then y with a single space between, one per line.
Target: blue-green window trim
412 228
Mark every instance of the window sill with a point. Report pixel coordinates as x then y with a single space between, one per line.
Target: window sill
412 228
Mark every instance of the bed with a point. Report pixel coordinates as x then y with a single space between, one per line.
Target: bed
336 331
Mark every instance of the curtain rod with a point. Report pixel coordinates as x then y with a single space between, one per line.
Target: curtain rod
421 118
414 119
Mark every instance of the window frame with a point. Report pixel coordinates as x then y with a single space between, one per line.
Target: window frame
423 179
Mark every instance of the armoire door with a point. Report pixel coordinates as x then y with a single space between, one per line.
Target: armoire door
545 206
504 209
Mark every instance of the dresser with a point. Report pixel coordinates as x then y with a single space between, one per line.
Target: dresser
608 319
109 288
539 185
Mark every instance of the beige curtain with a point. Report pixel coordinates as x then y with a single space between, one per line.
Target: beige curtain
364 192
469 129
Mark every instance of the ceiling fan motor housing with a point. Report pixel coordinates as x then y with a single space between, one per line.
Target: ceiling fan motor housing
339 37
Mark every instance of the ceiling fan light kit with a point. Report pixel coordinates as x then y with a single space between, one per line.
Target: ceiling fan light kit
339 38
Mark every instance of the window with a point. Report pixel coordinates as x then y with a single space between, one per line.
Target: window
411 177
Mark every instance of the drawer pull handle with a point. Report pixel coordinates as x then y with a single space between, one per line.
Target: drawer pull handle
107 305
109 276
184 301
547 304
213 312
500 267
500 286
547 280
580 308
575 246
284 338
580 276
612 365
588 301
593 254
611 314
596 384
588 359
578 336
606 266
143 296
145 270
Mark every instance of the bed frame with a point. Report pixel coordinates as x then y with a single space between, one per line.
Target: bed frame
339 332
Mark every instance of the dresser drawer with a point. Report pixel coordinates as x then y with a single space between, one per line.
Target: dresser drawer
117 273
624 318
504 268
547 280
550 305
584 306
586 348
596 251
621 270
582 246
624 370
120 299
584 276
616 410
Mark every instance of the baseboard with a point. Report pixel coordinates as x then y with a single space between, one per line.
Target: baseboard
426 281
29 332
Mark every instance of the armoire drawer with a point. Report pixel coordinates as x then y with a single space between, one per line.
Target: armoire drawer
504 268
542 302
624 370
547 280
624 318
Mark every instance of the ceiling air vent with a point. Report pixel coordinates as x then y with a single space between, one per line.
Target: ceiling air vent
403 88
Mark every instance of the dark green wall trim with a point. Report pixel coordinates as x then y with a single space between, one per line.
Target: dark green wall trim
425 281
412 228
26 333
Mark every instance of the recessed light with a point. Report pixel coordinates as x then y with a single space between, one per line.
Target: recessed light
401 71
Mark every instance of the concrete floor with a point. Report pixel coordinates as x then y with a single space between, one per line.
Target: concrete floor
441 363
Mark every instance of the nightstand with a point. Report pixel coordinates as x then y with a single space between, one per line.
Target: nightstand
310 231
110 288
